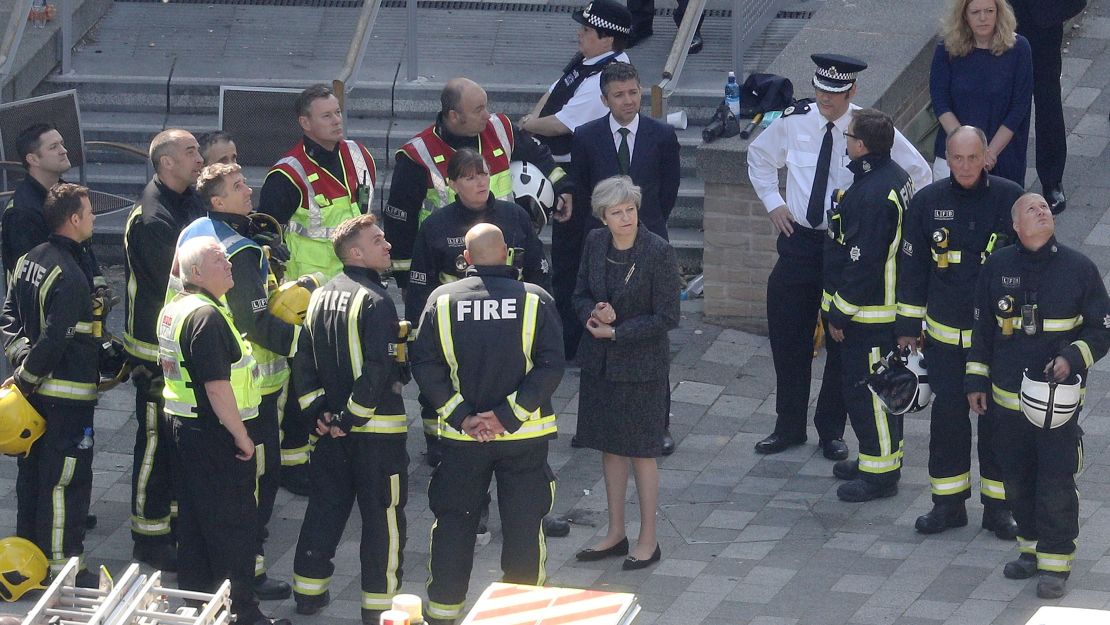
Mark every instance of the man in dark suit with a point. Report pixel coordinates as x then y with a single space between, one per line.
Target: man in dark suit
1042 23
623 143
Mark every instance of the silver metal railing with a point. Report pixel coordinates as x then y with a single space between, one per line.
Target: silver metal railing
357 50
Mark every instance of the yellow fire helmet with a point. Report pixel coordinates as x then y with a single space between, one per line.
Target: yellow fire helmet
23 567
290 301
20 424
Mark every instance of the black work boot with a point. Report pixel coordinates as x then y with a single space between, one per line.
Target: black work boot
311 604
1022 568
846 470
267 588
942 517
859 490
1000 521
161 556
1051 585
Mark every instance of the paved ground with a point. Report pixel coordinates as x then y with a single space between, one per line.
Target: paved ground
745 538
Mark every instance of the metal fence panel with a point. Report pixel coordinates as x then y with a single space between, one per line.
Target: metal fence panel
262 121
60 109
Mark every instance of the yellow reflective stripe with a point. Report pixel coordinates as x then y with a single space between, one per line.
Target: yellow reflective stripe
354 337
295 455
383 424
58 509
890 267
447 344
66 389
880 464
534 428
83 327
950 485
140 349
826 300
309 585
909 310
953 256
519 411
306 400
528 330
16 346
150 425
1026 546
446 611
393 549
44 290
402 265
875 314
844 305
259 565
29 377
946 333
994 489
449 407
150 527
556 175
1062 325
1005 398
977 368
376 601
1057 562
1085 350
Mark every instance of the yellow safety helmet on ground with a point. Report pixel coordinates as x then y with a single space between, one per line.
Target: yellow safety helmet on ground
23 567
290 301
20 424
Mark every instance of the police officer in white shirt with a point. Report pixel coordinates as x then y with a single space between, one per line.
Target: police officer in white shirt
809 141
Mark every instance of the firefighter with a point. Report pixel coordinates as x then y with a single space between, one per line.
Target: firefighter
47 334
495 416
952 226
859 300
210 393
227 196
1040 310
350 379
420 180
168 203
321 182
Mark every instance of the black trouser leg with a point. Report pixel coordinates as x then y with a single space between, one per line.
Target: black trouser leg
1052 147
152 477
219 516
643 15
265 433
949 425
567 240
681 11
296 432
381 486
63 482
830 416
329 506
879 433
430 422
525 493
458 487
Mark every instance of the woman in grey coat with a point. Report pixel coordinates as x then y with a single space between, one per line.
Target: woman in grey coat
627 297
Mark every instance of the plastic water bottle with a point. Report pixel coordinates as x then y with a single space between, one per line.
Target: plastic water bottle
732 94
38 13
87 440
694 289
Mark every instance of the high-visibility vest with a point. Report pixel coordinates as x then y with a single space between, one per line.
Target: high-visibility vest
325 203
273 368
431 152
178 393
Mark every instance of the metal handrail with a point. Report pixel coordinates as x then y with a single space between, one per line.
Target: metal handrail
676 60
361 38
13 34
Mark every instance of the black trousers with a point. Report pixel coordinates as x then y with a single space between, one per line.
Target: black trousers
1039 470
296 431
643 13
54 483
1052 146
793 303
372 470
264 431
218 517
567 240
153 475
525 493
950 433
879 433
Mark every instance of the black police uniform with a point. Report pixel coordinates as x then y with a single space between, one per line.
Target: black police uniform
948 233
346 364
149 243
1070 318
409 188
247 301
859 298
23 227
47 334
217 523
489 343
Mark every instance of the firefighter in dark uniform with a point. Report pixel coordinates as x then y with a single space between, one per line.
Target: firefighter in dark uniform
809 142
419 186
168 203
950 229
47 333
349 372
210 392
859 300
495 416
571 101
1040 307
318 184
228 197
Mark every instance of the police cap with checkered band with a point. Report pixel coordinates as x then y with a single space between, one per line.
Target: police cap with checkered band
836 73
607 17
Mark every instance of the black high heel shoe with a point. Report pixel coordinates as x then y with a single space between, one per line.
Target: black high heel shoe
591 555
632 564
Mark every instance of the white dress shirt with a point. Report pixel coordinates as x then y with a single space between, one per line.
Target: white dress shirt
585 105
632 127
794 142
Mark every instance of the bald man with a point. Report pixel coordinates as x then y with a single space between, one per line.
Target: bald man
495 416
168 203
419 184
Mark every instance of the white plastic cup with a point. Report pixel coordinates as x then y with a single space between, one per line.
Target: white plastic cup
394 617
411 605
677 119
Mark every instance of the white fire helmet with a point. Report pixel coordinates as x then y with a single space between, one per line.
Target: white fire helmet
533 191
1050 404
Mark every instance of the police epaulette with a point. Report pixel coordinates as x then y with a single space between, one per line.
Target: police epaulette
798 107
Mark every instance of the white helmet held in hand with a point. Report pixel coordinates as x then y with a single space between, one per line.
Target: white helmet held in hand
1050 404
533 191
